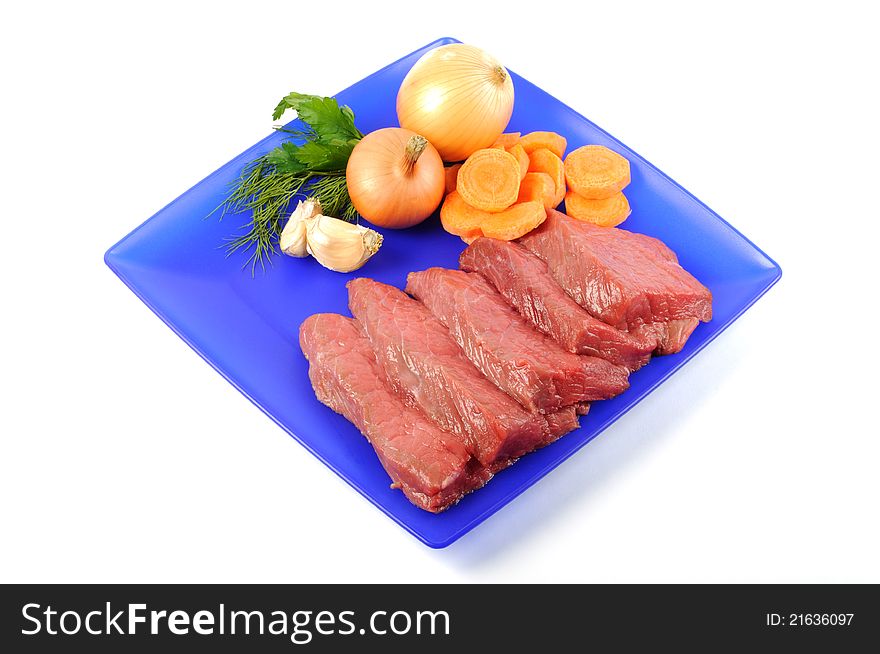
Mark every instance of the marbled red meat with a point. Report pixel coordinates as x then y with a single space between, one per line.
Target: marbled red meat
431 466
524 281
667 337
423 363
424 383
527 365
624 279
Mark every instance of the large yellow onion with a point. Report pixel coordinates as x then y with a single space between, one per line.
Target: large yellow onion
458 97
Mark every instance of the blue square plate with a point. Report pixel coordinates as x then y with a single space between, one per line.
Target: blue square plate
246 327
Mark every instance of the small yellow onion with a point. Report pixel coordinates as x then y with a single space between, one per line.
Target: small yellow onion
395 178
458 97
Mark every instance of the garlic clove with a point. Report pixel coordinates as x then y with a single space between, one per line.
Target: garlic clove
339 245
293 237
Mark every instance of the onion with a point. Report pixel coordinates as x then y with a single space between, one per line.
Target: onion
395 178
458 97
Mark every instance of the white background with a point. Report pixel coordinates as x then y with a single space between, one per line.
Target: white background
126 458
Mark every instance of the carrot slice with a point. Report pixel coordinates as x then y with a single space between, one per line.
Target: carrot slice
506 140
514 222
489 180
544 161
521 156
460 218
451 177
538 187
608 212
595 172
551 140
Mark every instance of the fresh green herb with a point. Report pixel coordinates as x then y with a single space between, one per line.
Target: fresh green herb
323 116
313 164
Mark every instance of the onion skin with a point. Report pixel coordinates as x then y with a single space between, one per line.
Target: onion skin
458 97
395 178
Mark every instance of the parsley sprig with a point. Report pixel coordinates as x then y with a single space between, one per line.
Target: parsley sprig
311 163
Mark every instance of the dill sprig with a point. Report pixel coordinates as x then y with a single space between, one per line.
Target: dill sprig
268 185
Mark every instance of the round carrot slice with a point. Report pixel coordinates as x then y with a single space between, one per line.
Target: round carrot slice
538 186
595 172
523 159
460 218
543 160
506 140
551 140
608 212
514 222
489 180
451 177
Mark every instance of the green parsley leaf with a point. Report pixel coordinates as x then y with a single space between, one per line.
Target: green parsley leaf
325 156
325 118
286 159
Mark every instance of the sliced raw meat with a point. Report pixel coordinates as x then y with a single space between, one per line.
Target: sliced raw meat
624 279
667 337
524 281
561 422
422 362
527 365
677 334
431 466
